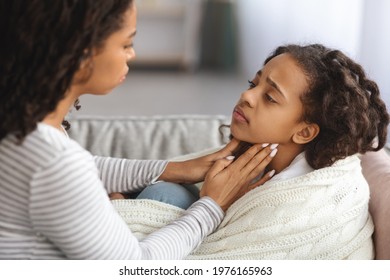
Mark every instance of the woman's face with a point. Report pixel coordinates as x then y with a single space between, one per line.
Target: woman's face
270 110
109 64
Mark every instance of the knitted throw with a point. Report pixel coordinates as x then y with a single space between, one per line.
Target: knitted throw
321 215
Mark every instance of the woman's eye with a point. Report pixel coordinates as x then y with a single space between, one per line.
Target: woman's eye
129 46
270 99
251 84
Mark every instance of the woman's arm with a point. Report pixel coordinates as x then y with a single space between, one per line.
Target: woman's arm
69 206
128 176
76 215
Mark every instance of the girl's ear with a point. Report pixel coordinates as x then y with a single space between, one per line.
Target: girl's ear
307 133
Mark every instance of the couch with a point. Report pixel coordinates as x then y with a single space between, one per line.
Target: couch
166 137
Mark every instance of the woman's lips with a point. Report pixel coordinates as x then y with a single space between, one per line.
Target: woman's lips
121 79
239 115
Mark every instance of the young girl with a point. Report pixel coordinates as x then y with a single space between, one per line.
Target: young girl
53 194
322 111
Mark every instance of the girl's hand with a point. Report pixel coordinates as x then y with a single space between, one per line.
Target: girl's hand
116 195
194 170
228 180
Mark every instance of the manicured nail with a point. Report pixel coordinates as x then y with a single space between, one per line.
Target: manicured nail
272 173
264 145
230 157
273 152
273 146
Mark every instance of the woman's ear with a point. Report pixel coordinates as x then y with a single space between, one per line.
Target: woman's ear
85 69
307 133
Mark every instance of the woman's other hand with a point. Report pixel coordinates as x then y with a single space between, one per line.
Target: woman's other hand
194 170
228 180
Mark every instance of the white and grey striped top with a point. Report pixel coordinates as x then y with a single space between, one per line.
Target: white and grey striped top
54 204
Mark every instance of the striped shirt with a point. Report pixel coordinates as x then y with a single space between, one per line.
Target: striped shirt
54 204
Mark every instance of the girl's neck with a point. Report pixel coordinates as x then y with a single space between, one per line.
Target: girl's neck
284 157
286 154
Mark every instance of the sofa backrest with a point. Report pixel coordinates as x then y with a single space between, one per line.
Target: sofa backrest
156 137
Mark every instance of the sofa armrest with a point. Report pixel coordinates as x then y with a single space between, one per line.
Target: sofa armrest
376 169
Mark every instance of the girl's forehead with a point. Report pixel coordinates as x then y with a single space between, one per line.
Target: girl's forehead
286 73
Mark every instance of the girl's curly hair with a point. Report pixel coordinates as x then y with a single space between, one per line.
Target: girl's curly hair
43 45
341 100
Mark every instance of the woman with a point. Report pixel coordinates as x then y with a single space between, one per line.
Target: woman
53 194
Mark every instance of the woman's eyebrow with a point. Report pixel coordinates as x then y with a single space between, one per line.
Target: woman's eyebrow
133 34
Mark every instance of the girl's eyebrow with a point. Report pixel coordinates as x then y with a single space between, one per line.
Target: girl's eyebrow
275 86
271 83
133 34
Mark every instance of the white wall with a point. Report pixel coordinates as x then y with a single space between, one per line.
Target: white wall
265 24
375 45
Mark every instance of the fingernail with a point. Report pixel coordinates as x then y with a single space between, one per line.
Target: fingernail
272 173
273 152
273 146
264 145
230 157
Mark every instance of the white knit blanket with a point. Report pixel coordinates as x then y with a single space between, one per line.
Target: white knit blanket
321 215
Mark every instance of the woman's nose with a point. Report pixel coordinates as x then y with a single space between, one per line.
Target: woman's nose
131 55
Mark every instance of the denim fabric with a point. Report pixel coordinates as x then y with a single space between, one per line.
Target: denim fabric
178 195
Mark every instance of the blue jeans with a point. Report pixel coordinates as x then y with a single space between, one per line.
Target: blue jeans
181 196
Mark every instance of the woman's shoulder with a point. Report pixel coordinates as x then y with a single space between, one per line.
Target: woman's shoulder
51 137
40 147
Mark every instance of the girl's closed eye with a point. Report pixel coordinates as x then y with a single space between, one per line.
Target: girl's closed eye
269 98
251 84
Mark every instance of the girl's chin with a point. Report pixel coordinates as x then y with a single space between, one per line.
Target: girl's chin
236 134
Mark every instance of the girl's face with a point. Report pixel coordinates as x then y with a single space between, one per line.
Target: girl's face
109 64
270 110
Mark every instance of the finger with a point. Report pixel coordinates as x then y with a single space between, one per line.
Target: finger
116 195
218 166
255 157
266 177
229 148
246 157
258 167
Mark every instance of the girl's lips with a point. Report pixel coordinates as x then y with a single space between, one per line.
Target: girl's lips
239 115
122 78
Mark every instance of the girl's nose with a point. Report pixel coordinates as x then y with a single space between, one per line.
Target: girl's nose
249 98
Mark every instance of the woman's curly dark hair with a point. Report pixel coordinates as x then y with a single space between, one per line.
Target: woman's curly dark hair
43 45
341 100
